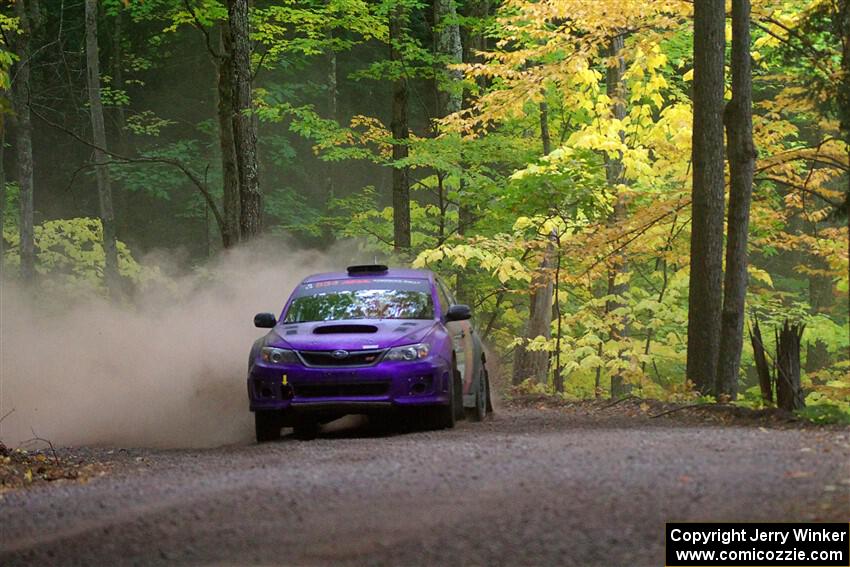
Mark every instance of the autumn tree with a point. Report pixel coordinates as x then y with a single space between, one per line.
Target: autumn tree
705 297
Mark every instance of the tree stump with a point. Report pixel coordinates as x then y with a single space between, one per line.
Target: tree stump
789 393
762 369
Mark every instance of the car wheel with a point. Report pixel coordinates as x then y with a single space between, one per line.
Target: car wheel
489 395
267 426
306 429
444 416
479 412
458 397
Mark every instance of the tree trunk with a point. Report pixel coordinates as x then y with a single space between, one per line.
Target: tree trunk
741 154
534 364
104 187
227 146
401 135
762 369
615 176
244 123
23 142
706 279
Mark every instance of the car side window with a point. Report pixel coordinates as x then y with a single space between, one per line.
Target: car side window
449 296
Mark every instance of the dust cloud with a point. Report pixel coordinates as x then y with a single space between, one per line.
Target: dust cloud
165 369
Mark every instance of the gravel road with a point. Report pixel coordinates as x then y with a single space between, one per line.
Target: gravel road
527 487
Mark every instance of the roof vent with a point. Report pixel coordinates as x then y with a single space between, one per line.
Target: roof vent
368 269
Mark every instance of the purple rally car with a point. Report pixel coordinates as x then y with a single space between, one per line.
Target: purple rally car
370 341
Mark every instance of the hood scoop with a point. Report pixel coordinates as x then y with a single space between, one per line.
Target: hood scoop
344 329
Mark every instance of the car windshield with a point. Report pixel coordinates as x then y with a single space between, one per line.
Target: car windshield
337 300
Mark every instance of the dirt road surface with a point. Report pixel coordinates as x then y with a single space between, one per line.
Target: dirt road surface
527 487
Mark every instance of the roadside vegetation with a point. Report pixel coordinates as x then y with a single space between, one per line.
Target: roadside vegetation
618 213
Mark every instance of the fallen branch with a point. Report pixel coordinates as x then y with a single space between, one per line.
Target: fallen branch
674 410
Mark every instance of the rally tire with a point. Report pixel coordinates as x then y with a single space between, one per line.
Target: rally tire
457 396
489 395
444 416
267 426
479 411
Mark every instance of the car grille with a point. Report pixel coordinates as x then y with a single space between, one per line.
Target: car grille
334 358
342 390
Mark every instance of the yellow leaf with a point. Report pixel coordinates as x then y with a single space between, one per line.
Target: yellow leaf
760 275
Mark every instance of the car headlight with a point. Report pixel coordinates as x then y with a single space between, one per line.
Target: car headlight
279 356
409 352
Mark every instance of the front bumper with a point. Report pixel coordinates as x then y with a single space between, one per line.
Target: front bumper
386 385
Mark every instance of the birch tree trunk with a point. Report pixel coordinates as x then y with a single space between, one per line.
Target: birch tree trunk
615 176
705 299
244 123
23 141
227 146
401 134
104 187
741 154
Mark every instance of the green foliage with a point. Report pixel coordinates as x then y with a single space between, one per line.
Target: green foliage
292 213
70 257
146 123
822 410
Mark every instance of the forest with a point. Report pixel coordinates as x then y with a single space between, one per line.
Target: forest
636 198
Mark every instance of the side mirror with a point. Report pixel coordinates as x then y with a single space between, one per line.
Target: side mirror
265 320
459 312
